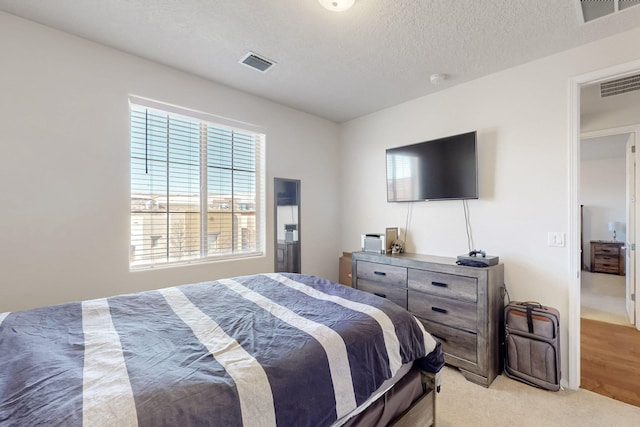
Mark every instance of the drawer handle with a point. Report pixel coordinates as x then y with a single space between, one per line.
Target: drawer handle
439 338
440 284
380 295
379 273
439 310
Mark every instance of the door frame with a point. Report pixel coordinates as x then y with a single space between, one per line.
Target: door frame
573 273
631 285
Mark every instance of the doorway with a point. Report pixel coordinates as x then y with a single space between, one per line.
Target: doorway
607 189
575 267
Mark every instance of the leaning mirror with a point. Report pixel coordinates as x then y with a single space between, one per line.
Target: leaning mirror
287 225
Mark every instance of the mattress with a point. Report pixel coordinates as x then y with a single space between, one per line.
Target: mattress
261 350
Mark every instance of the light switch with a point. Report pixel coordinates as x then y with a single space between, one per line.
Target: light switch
555 239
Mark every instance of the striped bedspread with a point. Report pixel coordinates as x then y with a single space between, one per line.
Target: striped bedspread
262 350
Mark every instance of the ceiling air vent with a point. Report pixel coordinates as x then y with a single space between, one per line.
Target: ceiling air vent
618 86
257 62
594 9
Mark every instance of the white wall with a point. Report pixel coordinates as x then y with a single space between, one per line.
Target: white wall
615 111
64 168
602 189
522 120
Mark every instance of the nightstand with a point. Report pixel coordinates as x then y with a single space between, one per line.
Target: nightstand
607 257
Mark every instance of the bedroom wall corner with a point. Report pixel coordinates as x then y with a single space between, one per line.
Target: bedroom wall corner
64 170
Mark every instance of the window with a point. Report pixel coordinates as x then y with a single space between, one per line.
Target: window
197 187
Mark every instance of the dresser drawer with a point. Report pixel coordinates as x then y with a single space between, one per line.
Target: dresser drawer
446 285
458 314
382 273
455 342
606 249
391 292
607 264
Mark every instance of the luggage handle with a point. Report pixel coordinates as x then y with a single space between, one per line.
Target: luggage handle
529 306
533 304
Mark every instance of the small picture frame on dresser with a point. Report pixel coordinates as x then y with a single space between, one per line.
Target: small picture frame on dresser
391 236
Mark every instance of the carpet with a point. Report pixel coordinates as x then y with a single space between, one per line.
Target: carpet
603 298
510 403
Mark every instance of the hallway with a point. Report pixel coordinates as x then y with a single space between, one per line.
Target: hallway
609 345
610 360
603 298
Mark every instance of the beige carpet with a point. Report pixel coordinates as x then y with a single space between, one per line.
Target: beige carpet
603 298
510 403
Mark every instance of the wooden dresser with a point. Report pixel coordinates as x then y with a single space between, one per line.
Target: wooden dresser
460 306
607 257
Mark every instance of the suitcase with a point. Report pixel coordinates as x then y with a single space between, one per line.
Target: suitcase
532 344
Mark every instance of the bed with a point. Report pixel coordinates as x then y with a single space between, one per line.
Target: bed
273 349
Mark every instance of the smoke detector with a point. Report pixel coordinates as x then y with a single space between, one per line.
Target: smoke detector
436 79
257 62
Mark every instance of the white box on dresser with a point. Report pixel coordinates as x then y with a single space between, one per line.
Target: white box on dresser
461 306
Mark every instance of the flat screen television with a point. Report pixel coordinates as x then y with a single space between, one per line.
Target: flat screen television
440 169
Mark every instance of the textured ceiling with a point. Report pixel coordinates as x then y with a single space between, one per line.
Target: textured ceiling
335 65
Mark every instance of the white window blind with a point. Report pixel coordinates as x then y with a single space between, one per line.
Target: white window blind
196 188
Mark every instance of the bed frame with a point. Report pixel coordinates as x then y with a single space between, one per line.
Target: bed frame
422 411
390 409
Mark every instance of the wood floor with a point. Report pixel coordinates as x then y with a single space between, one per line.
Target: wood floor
610 360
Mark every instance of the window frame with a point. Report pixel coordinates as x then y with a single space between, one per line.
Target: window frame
206 120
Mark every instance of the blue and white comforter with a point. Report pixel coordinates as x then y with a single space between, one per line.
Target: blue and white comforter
263 350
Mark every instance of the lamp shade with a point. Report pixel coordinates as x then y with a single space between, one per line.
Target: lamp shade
616 226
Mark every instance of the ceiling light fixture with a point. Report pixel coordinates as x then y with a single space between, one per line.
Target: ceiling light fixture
337 5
